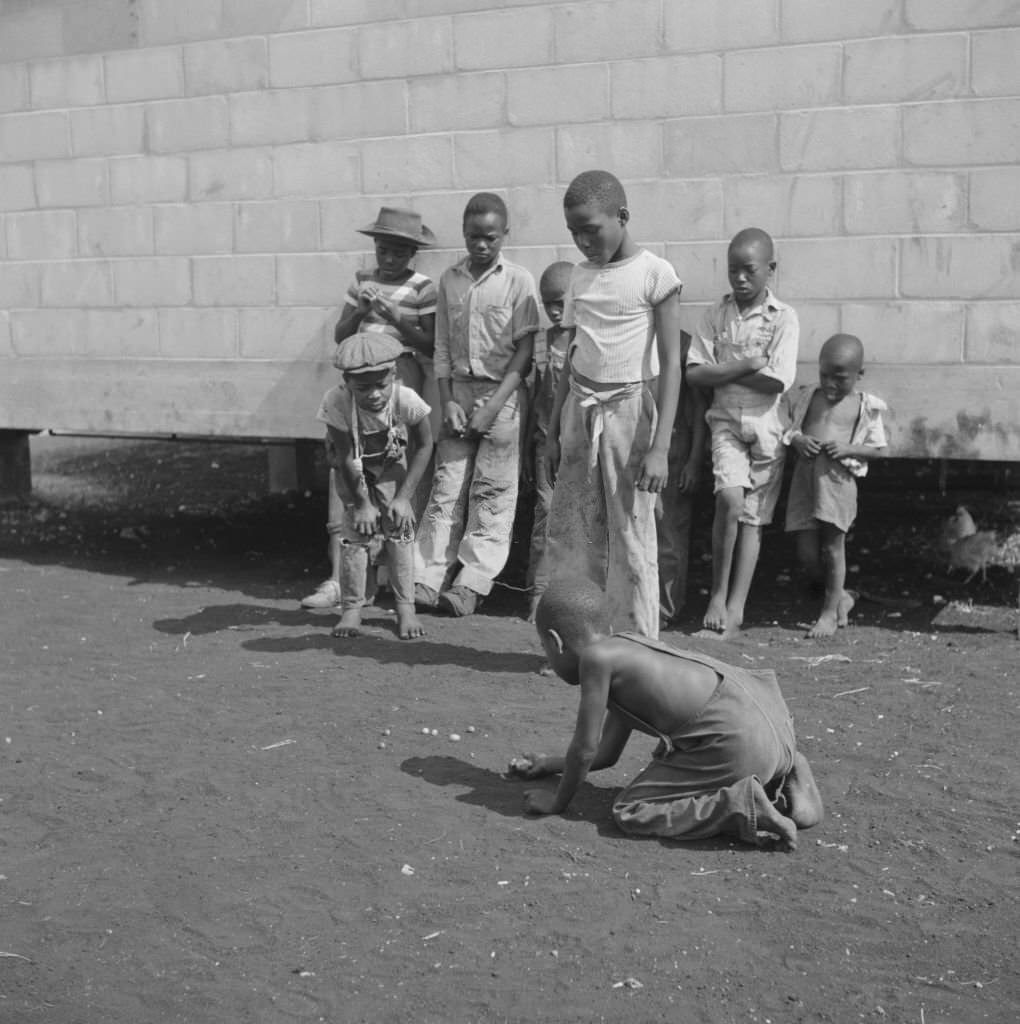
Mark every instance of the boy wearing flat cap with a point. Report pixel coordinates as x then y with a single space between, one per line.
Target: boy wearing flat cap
394 300
369 420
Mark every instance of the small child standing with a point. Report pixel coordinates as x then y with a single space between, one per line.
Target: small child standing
674 511
834 429
486 322
395 300
368 420
746 350
549 362
611 424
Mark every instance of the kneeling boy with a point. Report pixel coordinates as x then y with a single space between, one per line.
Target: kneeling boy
726 763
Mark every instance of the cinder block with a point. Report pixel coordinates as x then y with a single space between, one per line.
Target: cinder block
798 205
273 117
740 144
83 182
176 21
314 279
920 333
503 39
175 125
17 187
31 31
68 82
154 281
319 169
633 149
782 77
117 332
904 202
536 219
364 109
226 66
992 332
74 283
994 69
837 268
693 25
20 285
255 17
230 174
501 159
905 69
234 280
839 139
277 226
403 165
6 338
934 15
966 132
115 231
193 228
198 333
960 267
148 179
818 322
321 57
99 26
42 235
667 86
35 136
13 87
108 130
675 210
423 46
296 333
808 20
149 74
702 268
580 30
451 102
995 199
558 95
46 332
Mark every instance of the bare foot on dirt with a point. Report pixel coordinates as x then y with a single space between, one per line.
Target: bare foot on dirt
825 626
803 799
845 607
715 615
349 624
770 820
409 626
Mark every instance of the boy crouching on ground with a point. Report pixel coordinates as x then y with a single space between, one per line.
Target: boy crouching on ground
727 761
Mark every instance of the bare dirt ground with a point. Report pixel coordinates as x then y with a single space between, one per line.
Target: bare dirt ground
213 812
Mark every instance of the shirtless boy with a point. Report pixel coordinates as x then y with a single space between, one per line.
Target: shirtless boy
726 763
835 429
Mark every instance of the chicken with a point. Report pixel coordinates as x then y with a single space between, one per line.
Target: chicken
966 546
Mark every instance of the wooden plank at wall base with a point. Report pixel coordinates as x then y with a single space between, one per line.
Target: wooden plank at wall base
218 398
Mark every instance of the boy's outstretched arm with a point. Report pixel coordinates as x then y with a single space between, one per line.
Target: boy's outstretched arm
654 467
552 441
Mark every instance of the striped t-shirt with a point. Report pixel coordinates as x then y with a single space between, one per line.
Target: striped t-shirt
415 298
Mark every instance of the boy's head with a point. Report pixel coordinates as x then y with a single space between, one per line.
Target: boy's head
751 263
552 286
571 614
368 362
486 223
595 207
398 234
840 363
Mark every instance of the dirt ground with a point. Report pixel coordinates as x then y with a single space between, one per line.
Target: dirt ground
213 812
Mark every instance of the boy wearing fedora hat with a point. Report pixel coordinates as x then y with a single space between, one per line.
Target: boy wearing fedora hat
395 300
369 420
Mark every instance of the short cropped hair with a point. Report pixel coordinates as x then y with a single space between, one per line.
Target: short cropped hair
847 345
575 607
758 237
556 276
486 202
598 187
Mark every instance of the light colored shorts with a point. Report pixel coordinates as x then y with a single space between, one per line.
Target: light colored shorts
821 490
748 452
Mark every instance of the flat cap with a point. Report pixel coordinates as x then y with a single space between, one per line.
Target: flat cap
367 351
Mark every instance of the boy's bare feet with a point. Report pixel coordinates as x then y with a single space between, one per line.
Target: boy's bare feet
409 626
533 607
349 624
825 626
846 606
770 820
802 796
715 615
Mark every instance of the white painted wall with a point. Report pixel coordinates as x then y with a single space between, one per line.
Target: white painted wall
181 180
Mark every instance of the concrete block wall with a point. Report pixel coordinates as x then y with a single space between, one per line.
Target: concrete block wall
181 180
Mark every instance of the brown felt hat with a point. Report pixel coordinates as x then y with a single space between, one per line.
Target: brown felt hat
405 225
367 351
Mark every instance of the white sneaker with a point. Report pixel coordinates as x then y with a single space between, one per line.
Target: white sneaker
327 595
